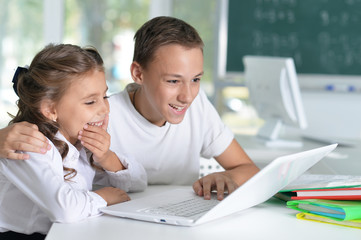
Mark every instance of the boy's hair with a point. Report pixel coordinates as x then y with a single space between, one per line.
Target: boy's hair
50 74
162 31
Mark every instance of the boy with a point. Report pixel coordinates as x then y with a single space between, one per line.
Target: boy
168 121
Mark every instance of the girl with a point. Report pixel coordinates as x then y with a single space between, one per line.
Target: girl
63 92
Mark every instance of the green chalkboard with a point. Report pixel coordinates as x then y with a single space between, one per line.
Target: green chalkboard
322 36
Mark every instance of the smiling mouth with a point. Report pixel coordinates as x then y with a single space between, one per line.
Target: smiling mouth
177 108
98 124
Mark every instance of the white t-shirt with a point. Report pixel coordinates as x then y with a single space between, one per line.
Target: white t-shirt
33 193
170 154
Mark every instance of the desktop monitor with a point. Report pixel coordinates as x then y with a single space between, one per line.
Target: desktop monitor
275 94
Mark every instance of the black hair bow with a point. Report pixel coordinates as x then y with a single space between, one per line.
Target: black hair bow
18 71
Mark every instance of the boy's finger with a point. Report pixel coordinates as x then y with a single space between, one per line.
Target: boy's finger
220 189
29 144
17 156
34 147
28 132
197 187
206 185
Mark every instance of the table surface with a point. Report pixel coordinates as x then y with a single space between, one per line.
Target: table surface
269 220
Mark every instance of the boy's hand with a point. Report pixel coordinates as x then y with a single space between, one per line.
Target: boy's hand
22 136
218 181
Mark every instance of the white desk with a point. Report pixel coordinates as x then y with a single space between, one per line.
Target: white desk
270 220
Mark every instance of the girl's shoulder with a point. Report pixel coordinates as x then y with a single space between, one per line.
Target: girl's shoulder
50 155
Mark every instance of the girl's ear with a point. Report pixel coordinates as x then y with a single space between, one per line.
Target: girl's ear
136 72
47 108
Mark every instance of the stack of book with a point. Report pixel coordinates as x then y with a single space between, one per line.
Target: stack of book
334 199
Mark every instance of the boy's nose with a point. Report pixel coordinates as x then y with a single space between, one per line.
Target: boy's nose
186 95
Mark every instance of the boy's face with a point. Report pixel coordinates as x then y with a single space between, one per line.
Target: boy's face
84 102
170 83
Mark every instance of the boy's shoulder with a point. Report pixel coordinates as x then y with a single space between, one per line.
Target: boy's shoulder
118 98
201 102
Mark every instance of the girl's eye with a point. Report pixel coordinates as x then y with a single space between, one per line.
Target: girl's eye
90 102
172 81
106 97
196 80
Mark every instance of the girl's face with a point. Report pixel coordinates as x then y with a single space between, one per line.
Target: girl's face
170 83
84 102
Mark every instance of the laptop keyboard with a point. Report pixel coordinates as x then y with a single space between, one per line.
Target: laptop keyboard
184 208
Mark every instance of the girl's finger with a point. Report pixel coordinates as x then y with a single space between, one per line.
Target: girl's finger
105 124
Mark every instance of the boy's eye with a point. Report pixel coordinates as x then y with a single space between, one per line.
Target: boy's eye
90 102
106 97
172 81
196 79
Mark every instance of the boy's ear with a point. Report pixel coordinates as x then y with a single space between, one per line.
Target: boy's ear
136 72
47 108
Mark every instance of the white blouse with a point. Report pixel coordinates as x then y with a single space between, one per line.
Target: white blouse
33 193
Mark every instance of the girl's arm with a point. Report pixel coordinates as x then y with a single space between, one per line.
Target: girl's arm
41 179
132 179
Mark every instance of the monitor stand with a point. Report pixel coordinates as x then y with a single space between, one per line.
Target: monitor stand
269 135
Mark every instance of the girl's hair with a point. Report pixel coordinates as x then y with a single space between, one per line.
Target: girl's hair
50 74
162 31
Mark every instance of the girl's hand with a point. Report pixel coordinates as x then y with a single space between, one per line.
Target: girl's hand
218 181
97 140
112 195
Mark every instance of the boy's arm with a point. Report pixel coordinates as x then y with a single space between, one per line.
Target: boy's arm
238 169
22 136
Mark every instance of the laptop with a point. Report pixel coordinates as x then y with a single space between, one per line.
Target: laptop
183 207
